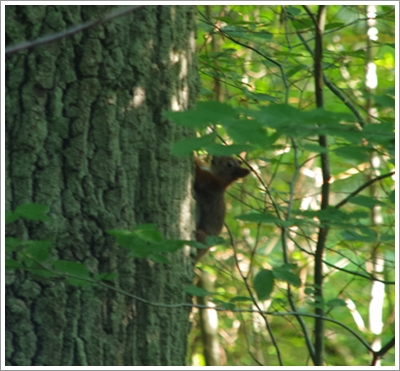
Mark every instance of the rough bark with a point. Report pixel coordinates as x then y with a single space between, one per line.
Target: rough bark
85 136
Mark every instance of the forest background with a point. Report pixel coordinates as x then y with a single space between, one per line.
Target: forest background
306 270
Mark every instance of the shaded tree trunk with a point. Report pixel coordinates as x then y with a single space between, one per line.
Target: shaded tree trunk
85 136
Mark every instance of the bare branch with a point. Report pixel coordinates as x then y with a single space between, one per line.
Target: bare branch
323 231
380 353
71 31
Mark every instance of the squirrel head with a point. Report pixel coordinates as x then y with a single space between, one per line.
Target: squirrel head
227 169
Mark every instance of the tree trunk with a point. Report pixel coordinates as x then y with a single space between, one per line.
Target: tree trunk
85 136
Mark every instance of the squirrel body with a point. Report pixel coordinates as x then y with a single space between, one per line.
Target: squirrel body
209 186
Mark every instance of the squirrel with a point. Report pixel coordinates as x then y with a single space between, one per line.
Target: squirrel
209 187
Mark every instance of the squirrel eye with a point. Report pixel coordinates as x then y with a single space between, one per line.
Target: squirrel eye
229 164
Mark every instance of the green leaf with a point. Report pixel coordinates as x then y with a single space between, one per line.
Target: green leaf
78 282
241 298
106 276
174 245
360 53
158 258
139 248
224 304
315 148
196 244
309 291
263 284
13 264
289 266
303 24
382 133
357 153
148 233
249 132
11 217
293 10
296 69
146 240
214 240
204 114
40 272
185 147
336 303
37 250
195 291
235 31
387 237
261 97
227 20
281 273
365 201
288 54
351 235
32 212
73 268
12 244
264 218
234 149
392 197
384 101
119 233
331 26
265 35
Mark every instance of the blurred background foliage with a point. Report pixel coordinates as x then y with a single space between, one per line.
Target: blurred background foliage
258 95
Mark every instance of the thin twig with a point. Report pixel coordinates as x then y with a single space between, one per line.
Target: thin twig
71 31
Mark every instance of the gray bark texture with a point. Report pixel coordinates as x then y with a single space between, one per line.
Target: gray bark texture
85 136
